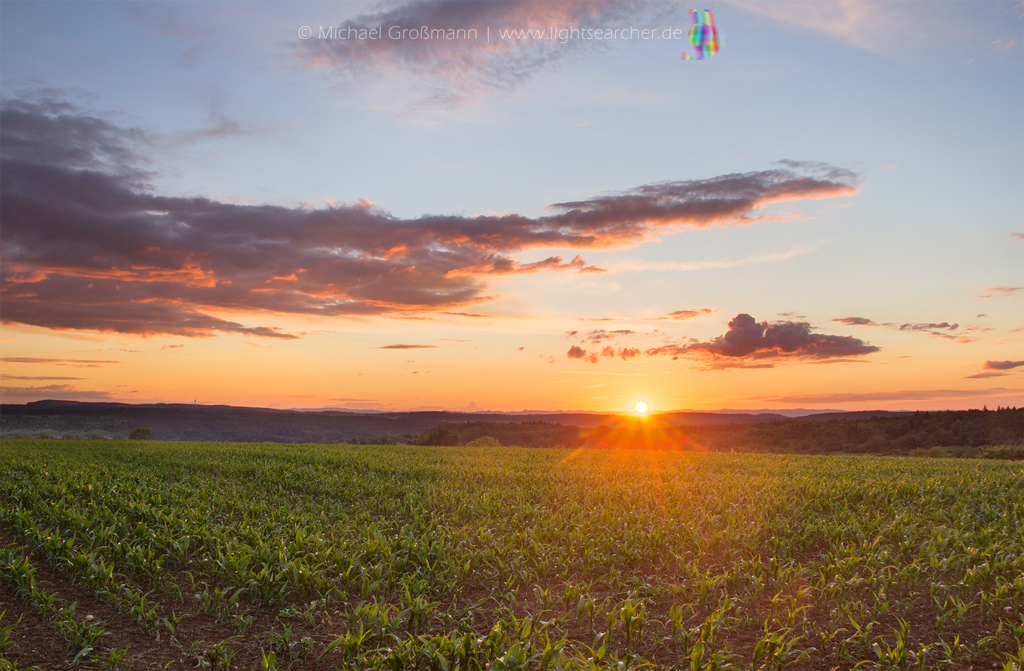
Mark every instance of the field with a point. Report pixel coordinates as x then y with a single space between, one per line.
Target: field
149 555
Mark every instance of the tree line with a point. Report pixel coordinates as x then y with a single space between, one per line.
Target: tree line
946 433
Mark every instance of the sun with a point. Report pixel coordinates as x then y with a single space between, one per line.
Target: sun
640 407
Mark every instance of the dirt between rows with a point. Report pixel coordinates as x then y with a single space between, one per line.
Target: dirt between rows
39 643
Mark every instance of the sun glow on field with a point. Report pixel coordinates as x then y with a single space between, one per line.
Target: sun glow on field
640 407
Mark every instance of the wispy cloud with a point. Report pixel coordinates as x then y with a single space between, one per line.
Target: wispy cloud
38 378
62 392
88 244
935 329
496 264
716 264
683 315
601 335
938 330
74 363
991 291
454 54
893 29
860 321
891 396
404 346
220 126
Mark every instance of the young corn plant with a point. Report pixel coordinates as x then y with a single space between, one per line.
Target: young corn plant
6 640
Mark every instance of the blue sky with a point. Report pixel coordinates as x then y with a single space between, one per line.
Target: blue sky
894 280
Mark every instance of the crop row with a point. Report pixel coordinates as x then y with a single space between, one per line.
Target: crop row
400 557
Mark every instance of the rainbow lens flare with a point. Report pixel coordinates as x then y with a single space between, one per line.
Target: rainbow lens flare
703 35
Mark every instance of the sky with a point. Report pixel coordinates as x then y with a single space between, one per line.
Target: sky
513 205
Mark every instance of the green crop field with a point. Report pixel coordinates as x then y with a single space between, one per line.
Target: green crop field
145 555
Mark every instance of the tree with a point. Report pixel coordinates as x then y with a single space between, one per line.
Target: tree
440 435
141 433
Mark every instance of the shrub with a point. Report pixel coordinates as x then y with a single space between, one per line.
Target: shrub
934 452
1003 452
141 433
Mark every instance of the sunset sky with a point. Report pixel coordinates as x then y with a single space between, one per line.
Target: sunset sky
197 204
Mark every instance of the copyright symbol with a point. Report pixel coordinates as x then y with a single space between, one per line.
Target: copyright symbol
305 32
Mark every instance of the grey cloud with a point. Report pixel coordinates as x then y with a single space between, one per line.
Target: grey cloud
748 342
38 378
1002 365
87 245
859 321
64 392
76 363
599 335
461 67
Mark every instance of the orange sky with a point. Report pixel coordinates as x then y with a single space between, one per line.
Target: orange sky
206 202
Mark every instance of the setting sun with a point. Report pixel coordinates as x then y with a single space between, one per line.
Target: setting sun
640 407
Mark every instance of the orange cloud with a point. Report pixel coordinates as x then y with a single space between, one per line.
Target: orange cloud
87 245
683 315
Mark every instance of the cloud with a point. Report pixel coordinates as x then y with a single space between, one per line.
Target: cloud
470 315
986 374
403 346
860 321
990 291
936 329
220 126
599 335
701 203
1002 365
189 36
38 378
576 352
88 245
751 343
683 315
1017 236
894 30
74 363
716 264
608 352
500 265
929 327
454 53
880 396
63 392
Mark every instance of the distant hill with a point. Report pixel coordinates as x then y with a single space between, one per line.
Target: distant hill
873 431
182 421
